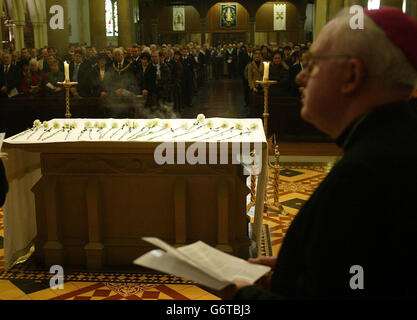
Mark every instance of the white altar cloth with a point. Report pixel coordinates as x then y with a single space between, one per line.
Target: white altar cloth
23 168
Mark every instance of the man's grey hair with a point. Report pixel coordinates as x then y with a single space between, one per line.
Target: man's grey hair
146 49
384 61
120 50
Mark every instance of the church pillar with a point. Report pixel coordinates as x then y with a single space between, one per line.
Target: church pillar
58 38
125 13
43 28
19 37
37 11
2 14
252 28
392 3
302 34
17 14
98 24
84 20
321 13
154 31
203 30
141 31
335 6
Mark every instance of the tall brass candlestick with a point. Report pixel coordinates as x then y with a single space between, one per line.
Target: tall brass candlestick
252 189
67 85
265 85
276 167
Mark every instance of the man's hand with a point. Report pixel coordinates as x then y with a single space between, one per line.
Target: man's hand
118 92
265 281
229 292
57 89
145 93
103 94
265 261
255 90
4 89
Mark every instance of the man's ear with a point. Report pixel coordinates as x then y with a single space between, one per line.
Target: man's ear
353 76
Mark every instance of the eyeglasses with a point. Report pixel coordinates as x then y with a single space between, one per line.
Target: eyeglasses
311 62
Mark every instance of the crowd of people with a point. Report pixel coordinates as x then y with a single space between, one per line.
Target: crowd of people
171 73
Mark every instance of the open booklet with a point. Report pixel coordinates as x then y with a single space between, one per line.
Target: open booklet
2 135
200 263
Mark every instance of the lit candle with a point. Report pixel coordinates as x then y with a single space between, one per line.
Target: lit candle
266 71
67 77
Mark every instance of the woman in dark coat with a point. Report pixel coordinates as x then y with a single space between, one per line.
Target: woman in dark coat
280 72
102 77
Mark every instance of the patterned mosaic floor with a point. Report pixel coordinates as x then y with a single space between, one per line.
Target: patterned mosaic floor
24 282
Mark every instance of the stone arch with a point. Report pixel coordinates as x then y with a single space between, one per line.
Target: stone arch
37 12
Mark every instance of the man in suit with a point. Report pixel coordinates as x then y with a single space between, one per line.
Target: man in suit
9 77
43 64
295 69
187 78
244 60
80 71
163 77
355 237
177 76
135 58
124 75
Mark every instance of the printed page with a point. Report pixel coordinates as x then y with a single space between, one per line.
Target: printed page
168 263
2 135
222 265
169 249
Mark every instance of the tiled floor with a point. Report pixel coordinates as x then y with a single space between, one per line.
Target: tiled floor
297 182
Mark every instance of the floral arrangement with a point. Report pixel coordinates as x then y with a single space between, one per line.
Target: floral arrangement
165 127
132 126
36 126
56 126
114 126
149 126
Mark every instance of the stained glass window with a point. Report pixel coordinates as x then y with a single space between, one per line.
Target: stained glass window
112 23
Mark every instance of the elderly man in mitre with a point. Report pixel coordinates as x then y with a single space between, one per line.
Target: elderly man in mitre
355 238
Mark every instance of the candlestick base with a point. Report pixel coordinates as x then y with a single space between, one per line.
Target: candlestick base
67 85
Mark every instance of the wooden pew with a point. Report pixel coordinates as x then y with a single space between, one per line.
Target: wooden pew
285 119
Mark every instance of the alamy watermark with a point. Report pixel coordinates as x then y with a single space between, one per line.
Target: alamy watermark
56 22
357 20
202 153
57 280
357 280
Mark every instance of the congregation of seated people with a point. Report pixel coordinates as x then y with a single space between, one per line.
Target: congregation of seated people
167 73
